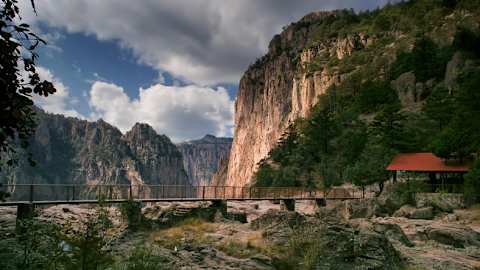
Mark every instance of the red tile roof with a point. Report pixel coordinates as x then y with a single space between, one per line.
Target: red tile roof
424 162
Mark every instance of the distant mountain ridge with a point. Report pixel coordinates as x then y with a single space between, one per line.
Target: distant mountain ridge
202 158
72 151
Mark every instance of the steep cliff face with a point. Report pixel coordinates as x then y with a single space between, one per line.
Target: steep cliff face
279 88
341 49
72 151
202 158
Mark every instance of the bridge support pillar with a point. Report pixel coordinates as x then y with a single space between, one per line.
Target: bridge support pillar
321 203
220 205
25 211
287 204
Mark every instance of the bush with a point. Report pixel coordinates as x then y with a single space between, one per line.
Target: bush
143 258
37 246
472 183
132 212
374 94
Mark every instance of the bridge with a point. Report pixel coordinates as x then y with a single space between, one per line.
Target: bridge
45 194
27 196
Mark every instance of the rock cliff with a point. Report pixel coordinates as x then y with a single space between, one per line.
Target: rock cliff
72 151
203 157
279 88
329 50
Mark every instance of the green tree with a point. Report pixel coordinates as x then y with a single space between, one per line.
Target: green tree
439 106
388 128
374 95
472 183
461 137
38 245
132 212
18 55
89 247
370 167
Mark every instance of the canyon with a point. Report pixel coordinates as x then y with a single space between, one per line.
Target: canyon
202 158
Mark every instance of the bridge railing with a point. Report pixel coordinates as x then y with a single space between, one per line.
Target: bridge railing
75 192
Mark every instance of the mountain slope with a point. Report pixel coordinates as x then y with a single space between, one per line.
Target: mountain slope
72 151
361 55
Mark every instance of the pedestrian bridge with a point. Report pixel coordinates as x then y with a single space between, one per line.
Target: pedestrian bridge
44 194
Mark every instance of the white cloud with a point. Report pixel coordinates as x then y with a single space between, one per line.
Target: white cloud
180 112
60 102
205 42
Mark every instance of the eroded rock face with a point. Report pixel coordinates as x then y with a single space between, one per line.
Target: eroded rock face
202 158
73 151
278 89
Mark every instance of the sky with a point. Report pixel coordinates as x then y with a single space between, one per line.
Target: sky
173 64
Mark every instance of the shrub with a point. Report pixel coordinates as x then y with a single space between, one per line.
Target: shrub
132 212
142 258
472 183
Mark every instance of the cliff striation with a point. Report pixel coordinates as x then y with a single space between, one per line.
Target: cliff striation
203 157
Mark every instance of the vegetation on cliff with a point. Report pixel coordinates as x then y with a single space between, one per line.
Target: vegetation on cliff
361 122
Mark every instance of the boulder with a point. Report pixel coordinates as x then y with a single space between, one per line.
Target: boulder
393 232
440 202
422 213
411 212
459 237
345 248
237 216
392 199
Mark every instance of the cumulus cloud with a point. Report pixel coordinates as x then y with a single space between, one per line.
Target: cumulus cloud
180 112
205 42
61 102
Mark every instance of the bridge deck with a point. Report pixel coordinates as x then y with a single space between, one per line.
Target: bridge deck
88 194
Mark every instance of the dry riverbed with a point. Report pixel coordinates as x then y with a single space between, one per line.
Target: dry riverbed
449 241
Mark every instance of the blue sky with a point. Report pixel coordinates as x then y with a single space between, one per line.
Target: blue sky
173 64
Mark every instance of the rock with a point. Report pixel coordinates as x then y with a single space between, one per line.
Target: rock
409 211
81 152
344 248
276 217
390 200
272 94
422 213
440 202
405 86
237 216
203 157
362 208
262 259
459 237
451 218
277 225
393 232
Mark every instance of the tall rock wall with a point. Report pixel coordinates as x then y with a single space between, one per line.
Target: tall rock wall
203 157
278 89
72 151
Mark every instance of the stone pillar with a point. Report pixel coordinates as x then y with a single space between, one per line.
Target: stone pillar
220 205
321 203
25 211
287 204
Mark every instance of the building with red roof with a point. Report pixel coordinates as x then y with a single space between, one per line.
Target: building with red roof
431 164
426 162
